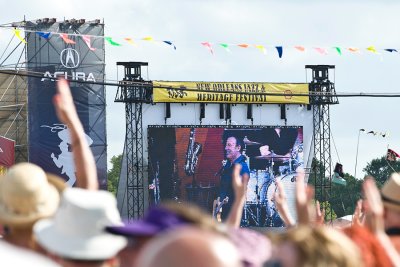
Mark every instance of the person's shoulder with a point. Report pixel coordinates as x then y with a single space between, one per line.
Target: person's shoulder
17 257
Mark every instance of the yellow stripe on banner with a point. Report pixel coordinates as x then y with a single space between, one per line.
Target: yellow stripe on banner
230 92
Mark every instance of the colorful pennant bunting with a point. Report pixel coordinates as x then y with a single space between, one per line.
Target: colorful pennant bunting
86 39
18 34
64 36
111 42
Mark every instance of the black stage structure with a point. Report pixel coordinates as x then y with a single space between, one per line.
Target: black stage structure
134 91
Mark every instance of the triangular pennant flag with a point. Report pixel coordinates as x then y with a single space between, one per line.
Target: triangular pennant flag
372 49
300 48
321 50
170 43
261 48
86 38
390 50
391 155
45 35
148 38
130 40
209 46
64 36
354 49
18 34
243 45
338 49
280 50
226 47
111 42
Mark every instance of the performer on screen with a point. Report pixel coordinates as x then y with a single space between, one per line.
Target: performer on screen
276 146
233 153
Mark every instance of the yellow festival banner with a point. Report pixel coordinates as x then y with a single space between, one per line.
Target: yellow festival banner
230 92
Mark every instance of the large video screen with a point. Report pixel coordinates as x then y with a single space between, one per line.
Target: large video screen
194 164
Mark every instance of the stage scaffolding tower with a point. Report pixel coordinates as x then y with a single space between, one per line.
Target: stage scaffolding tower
323 95
134 96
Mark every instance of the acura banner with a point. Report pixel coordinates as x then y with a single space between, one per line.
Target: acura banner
49 140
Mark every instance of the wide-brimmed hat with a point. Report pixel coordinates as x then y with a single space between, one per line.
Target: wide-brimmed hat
77 230
157 219
28 194
390 192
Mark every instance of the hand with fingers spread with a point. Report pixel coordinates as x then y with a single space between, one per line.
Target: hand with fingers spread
282 205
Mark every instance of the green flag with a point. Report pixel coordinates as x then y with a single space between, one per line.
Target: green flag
109 39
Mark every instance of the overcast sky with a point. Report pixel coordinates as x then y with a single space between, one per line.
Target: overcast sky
270 23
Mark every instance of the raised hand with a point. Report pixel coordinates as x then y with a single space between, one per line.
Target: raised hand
282 205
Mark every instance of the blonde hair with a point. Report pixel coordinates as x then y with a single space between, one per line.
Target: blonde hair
321 246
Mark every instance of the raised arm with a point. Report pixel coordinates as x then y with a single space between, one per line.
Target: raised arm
85 166
239 184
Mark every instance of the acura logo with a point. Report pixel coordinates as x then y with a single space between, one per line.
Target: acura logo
69 58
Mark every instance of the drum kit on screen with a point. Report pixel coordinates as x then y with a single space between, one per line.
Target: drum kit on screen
260 209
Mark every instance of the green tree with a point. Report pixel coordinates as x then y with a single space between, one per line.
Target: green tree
343 198
113 174
381 169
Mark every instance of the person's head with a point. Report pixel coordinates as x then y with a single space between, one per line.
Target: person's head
76 235
306 246
157 220
233 147
390 194
193 247
27 194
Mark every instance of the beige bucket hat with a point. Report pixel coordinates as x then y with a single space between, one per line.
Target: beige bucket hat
390 192
28 194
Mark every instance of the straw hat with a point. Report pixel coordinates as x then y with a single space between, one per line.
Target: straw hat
27 194
77 230
391 192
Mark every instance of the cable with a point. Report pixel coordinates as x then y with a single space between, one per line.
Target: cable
334 145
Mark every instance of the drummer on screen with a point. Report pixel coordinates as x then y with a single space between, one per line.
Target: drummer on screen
275 147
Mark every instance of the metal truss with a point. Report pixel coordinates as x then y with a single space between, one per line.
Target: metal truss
133 97
323 95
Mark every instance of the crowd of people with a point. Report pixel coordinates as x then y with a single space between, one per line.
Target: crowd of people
46 223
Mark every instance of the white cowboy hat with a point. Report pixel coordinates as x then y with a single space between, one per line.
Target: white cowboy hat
390 192
77 230
28 194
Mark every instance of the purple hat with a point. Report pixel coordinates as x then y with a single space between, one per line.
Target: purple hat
156 220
